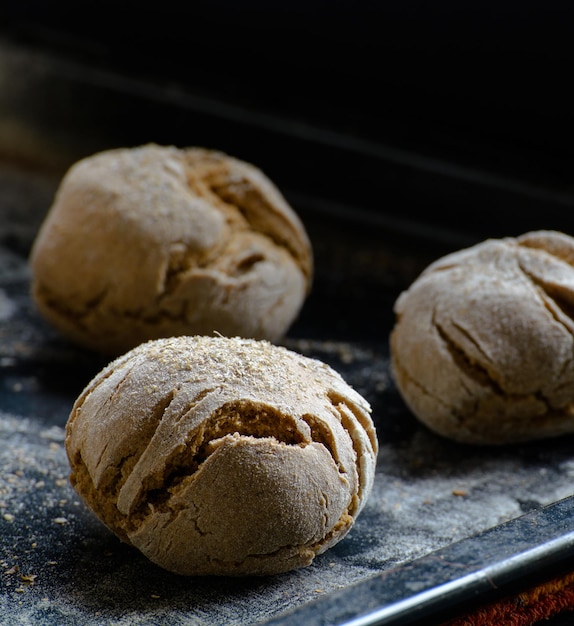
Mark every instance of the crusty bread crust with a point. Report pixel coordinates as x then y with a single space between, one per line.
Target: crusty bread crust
483 342
222 456
158 241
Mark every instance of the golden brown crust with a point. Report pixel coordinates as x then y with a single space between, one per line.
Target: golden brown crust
483 343
222 456
156 241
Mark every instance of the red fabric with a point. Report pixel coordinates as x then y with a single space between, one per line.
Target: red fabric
526 608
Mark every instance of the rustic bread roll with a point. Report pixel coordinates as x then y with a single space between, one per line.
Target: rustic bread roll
224 456
483 342
156 241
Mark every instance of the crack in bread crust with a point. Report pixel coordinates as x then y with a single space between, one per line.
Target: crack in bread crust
241 418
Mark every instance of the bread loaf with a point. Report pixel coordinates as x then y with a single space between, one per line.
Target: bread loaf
222 456
483 341
157 241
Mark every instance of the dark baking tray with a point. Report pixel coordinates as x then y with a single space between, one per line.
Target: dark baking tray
446 525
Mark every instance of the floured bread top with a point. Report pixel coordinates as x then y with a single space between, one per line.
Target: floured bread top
158 241
483 342
218 455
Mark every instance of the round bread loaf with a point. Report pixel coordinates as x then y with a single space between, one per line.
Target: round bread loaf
222 456
483 342
156 241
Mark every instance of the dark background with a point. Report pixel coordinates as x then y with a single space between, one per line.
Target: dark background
446 116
